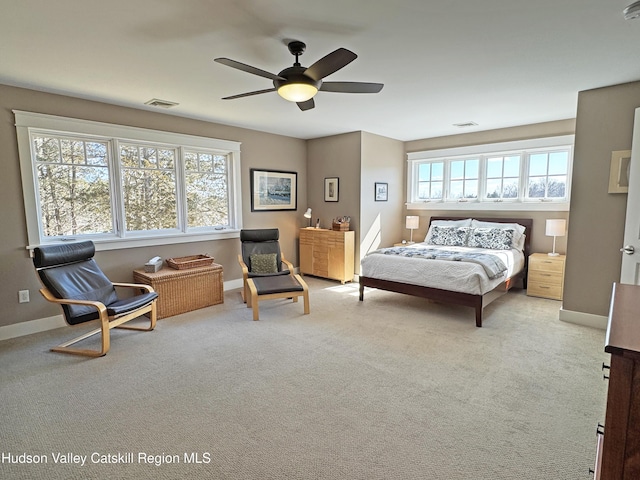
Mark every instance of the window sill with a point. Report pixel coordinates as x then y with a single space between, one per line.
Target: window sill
491 206
123 243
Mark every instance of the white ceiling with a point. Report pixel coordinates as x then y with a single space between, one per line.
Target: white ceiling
498 63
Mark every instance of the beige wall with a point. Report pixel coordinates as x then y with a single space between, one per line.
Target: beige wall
604 124
359 159
382 223
258 149
335 156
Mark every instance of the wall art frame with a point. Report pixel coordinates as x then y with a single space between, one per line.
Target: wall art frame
619 171
273 190
331 189
381 191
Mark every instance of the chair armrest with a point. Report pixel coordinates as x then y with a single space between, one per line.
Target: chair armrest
97 305
288 264
243 266
141 286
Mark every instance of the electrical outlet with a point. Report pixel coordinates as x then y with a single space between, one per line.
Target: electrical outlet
23 296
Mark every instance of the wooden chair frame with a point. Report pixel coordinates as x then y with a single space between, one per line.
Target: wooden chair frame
106 322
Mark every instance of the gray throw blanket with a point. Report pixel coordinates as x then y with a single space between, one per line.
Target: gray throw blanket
493 266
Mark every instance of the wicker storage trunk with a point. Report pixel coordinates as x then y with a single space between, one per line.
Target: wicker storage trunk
181 291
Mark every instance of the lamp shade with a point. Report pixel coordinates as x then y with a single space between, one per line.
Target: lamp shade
556 227
307 214
412 222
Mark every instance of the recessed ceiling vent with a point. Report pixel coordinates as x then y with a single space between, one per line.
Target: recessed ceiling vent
465 124
156 102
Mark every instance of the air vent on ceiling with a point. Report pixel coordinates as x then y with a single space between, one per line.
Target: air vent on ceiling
465 124
155 102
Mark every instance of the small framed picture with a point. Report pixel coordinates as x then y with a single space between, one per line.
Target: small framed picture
331 189
381 192
619 172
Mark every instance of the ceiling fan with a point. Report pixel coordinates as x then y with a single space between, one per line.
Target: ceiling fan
299 84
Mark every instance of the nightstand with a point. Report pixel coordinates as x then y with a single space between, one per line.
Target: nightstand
546 276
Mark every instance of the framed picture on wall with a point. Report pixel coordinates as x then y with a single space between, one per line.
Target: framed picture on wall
619 171
381 192
331 189
273 190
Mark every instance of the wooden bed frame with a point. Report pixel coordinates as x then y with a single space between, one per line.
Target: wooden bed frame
478 302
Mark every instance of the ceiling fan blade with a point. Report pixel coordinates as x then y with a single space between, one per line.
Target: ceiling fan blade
308 105
330 63
248 94
248 68
351 87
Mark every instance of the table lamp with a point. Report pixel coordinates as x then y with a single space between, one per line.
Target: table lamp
307 214
555 227
412 222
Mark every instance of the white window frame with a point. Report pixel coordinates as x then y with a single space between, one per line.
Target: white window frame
522 203
28 122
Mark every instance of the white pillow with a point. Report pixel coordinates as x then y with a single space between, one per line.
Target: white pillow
519 236
465 222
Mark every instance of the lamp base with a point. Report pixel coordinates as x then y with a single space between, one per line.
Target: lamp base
553 254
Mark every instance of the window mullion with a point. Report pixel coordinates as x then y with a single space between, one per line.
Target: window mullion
482 177
117 191
181 191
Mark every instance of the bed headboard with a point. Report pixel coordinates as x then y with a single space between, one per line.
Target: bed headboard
527 223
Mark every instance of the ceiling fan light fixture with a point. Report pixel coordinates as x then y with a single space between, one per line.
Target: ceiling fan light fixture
632 11
297 92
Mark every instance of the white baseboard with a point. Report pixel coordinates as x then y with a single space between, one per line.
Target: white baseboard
49 323
32 326
586 319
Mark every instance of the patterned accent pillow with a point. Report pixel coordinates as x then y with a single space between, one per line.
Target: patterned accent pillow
448 236
263 263
493 238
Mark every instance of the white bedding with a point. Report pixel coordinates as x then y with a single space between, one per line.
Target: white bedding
443 274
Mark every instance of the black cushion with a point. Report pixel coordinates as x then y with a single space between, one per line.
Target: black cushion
51 255
129 304
79 281
260 235
277 284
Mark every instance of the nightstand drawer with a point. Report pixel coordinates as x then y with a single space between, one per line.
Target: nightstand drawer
550 278
546 265
545 290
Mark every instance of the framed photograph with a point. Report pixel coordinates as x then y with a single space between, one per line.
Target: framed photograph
619 171
331 189
273 190
382 192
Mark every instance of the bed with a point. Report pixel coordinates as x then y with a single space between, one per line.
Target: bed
467 282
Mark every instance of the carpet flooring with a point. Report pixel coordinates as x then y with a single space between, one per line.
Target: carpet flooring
395 387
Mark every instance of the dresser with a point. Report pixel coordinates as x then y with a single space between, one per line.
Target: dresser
618 453
546 276
327 253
